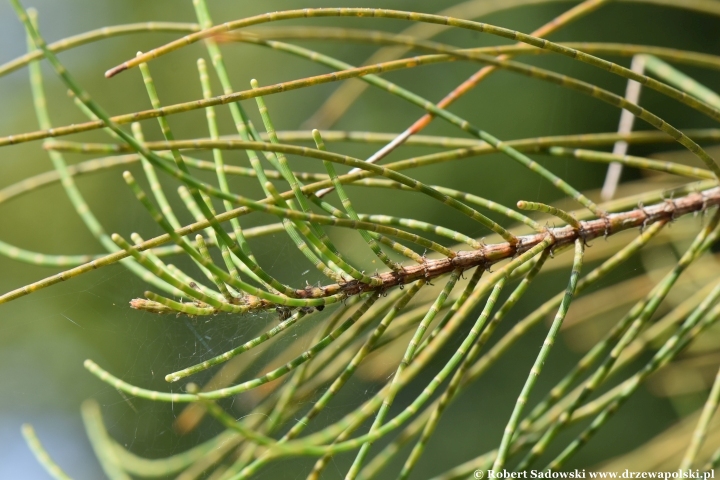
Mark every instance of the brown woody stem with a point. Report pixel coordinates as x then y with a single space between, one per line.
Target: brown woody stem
489 255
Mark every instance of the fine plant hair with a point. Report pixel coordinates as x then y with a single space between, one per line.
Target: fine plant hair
427 305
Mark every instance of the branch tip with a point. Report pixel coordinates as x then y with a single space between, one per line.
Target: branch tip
115 70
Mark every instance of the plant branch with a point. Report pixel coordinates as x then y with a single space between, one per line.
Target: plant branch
489 255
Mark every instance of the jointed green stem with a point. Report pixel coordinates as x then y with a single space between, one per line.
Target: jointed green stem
335 158
224 241
101 442
533 144
83 97
685 83
341 380
318 238
353 421
229 422
563 80
41 455
262 295
672 346
218 157
525 324
136 465
629 354
176 272
629 160
347 205
345 95
477 26
151 175
413 407
458 380
625 332
422 226
95 35
561 214
540 360
158 304
457 305
407 358
398 247
454 119
234 390
317 32
229 259
573 14
186 289
702 426
202 248
286 396
243 125
441 340
74 195
492 225
698 321
231 289
660 212
294 229
93 165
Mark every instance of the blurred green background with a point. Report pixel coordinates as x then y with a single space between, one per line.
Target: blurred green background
45 337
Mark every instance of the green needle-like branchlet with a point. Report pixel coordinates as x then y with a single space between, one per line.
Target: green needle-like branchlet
631 161
540 360
481 27
218 156
41 455
99 34
261 297
347 205
698 246
66 180
342 379
407 358
314 233
586 362
458 380
172 280
682 81
561 214
316 255
221 237
698 321
524 325
222 288
229 259
156 160
353 421
454 119
100 440
152 178
700 432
